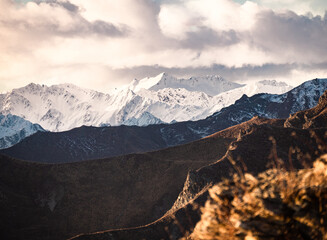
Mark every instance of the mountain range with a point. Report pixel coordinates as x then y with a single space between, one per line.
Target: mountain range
161 99
99 142
153 195
285 146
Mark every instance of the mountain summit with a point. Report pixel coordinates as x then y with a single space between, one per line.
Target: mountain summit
210 85
161 99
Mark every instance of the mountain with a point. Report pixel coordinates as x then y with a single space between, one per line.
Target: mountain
91 142
57 107
265 86
210 85
58 201
162 99
247 198
13 129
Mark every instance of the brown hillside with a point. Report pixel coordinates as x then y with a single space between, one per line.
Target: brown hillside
57 201
198 181
257 148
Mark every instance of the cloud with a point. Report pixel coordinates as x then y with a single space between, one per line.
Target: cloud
54 19
302 7
104 43
207 37
176 19
290 37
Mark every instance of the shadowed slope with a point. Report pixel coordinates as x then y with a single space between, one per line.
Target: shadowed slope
256 148
255 159
56 201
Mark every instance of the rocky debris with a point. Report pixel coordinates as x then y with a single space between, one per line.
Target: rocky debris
277 204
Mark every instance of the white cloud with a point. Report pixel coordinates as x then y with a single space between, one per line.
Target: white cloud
177 19
316 7
90 43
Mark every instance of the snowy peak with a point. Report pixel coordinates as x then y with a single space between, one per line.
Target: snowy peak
163 98
145 119
267 86
56 108
211 85
13 129
150 83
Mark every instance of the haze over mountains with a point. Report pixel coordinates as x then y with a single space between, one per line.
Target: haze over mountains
90 143
162 99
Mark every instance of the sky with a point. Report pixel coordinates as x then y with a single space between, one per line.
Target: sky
104 44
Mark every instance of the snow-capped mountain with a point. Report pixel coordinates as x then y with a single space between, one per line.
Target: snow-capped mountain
162 99
265 86
92 143
210 85
13 129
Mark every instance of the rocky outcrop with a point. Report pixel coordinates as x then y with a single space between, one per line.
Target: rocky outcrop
275 205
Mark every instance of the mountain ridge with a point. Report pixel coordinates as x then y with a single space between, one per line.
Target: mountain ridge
66 106
90 142
243 160
58 201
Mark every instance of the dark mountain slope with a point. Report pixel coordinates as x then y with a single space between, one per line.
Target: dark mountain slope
256 159
57 201
257 148
90 142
